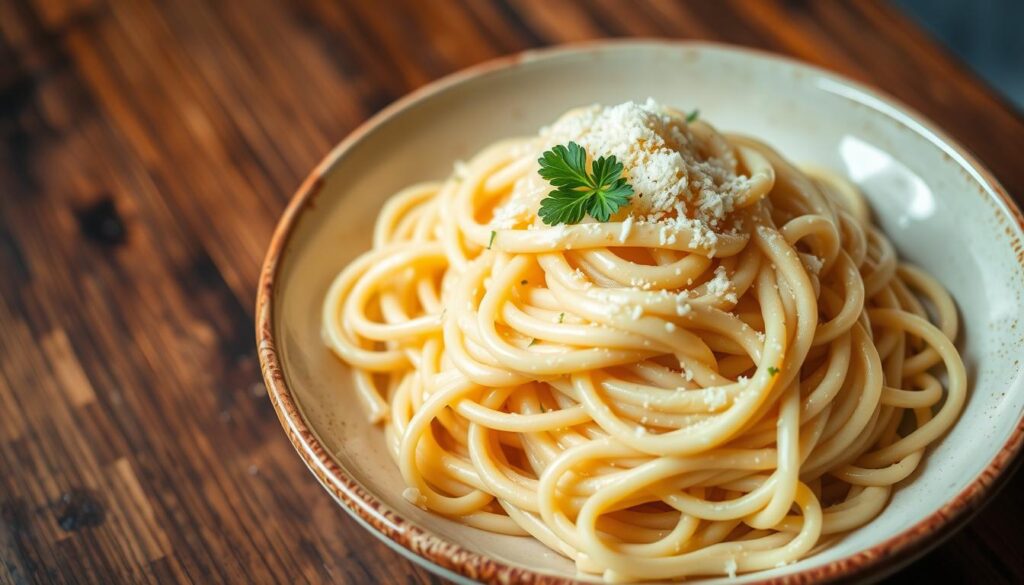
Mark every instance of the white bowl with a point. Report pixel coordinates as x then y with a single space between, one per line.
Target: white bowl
943 211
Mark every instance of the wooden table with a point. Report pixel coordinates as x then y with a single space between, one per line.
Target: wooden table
145 154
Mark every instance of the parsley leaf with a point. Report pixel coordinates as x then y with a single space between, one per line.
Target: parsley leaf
577 193
773 370
490 242
692 116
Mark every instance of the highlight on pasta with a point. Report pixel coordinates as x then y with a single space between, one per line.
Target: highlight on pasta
699 360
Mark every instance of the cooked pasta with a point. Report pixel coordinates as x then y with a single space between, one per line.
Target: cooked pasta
732 370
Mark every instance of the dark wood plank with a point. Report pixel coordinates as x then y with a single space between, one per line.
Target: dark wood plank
146 150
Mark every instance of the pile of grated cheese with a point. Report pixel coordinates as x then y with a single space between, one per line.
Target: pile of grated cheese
681 178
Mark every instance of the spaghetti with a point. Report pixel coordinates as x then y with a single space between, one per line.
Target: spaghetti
732 370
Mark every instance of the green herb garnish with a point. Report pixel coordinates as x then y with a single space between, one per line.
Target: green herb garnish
773 370
561 317
532 341
692 116
577 193
490 242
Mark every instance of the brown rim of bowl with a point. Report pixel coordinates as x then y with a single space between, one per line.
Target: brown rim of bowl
874 562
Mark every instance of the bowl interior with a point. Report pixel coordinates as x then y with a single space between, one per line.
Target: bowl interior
940 212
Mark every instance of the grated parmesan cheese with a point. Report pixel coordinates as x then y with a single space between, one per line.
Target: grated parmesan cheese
720 286
715 397
812 263
663 159
682 180
730 568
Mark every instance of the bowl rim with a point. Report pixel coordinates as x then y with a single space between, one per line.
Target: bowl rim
453 561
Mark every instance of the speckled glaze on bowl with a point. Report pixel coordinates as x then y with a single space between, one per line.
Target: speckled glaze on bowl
942 209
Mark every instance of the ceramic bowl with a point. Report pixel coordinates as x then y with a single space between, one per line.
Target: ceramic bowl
942 209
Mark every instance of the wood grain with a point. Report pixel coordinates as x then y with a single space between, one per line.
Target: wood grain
146 150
